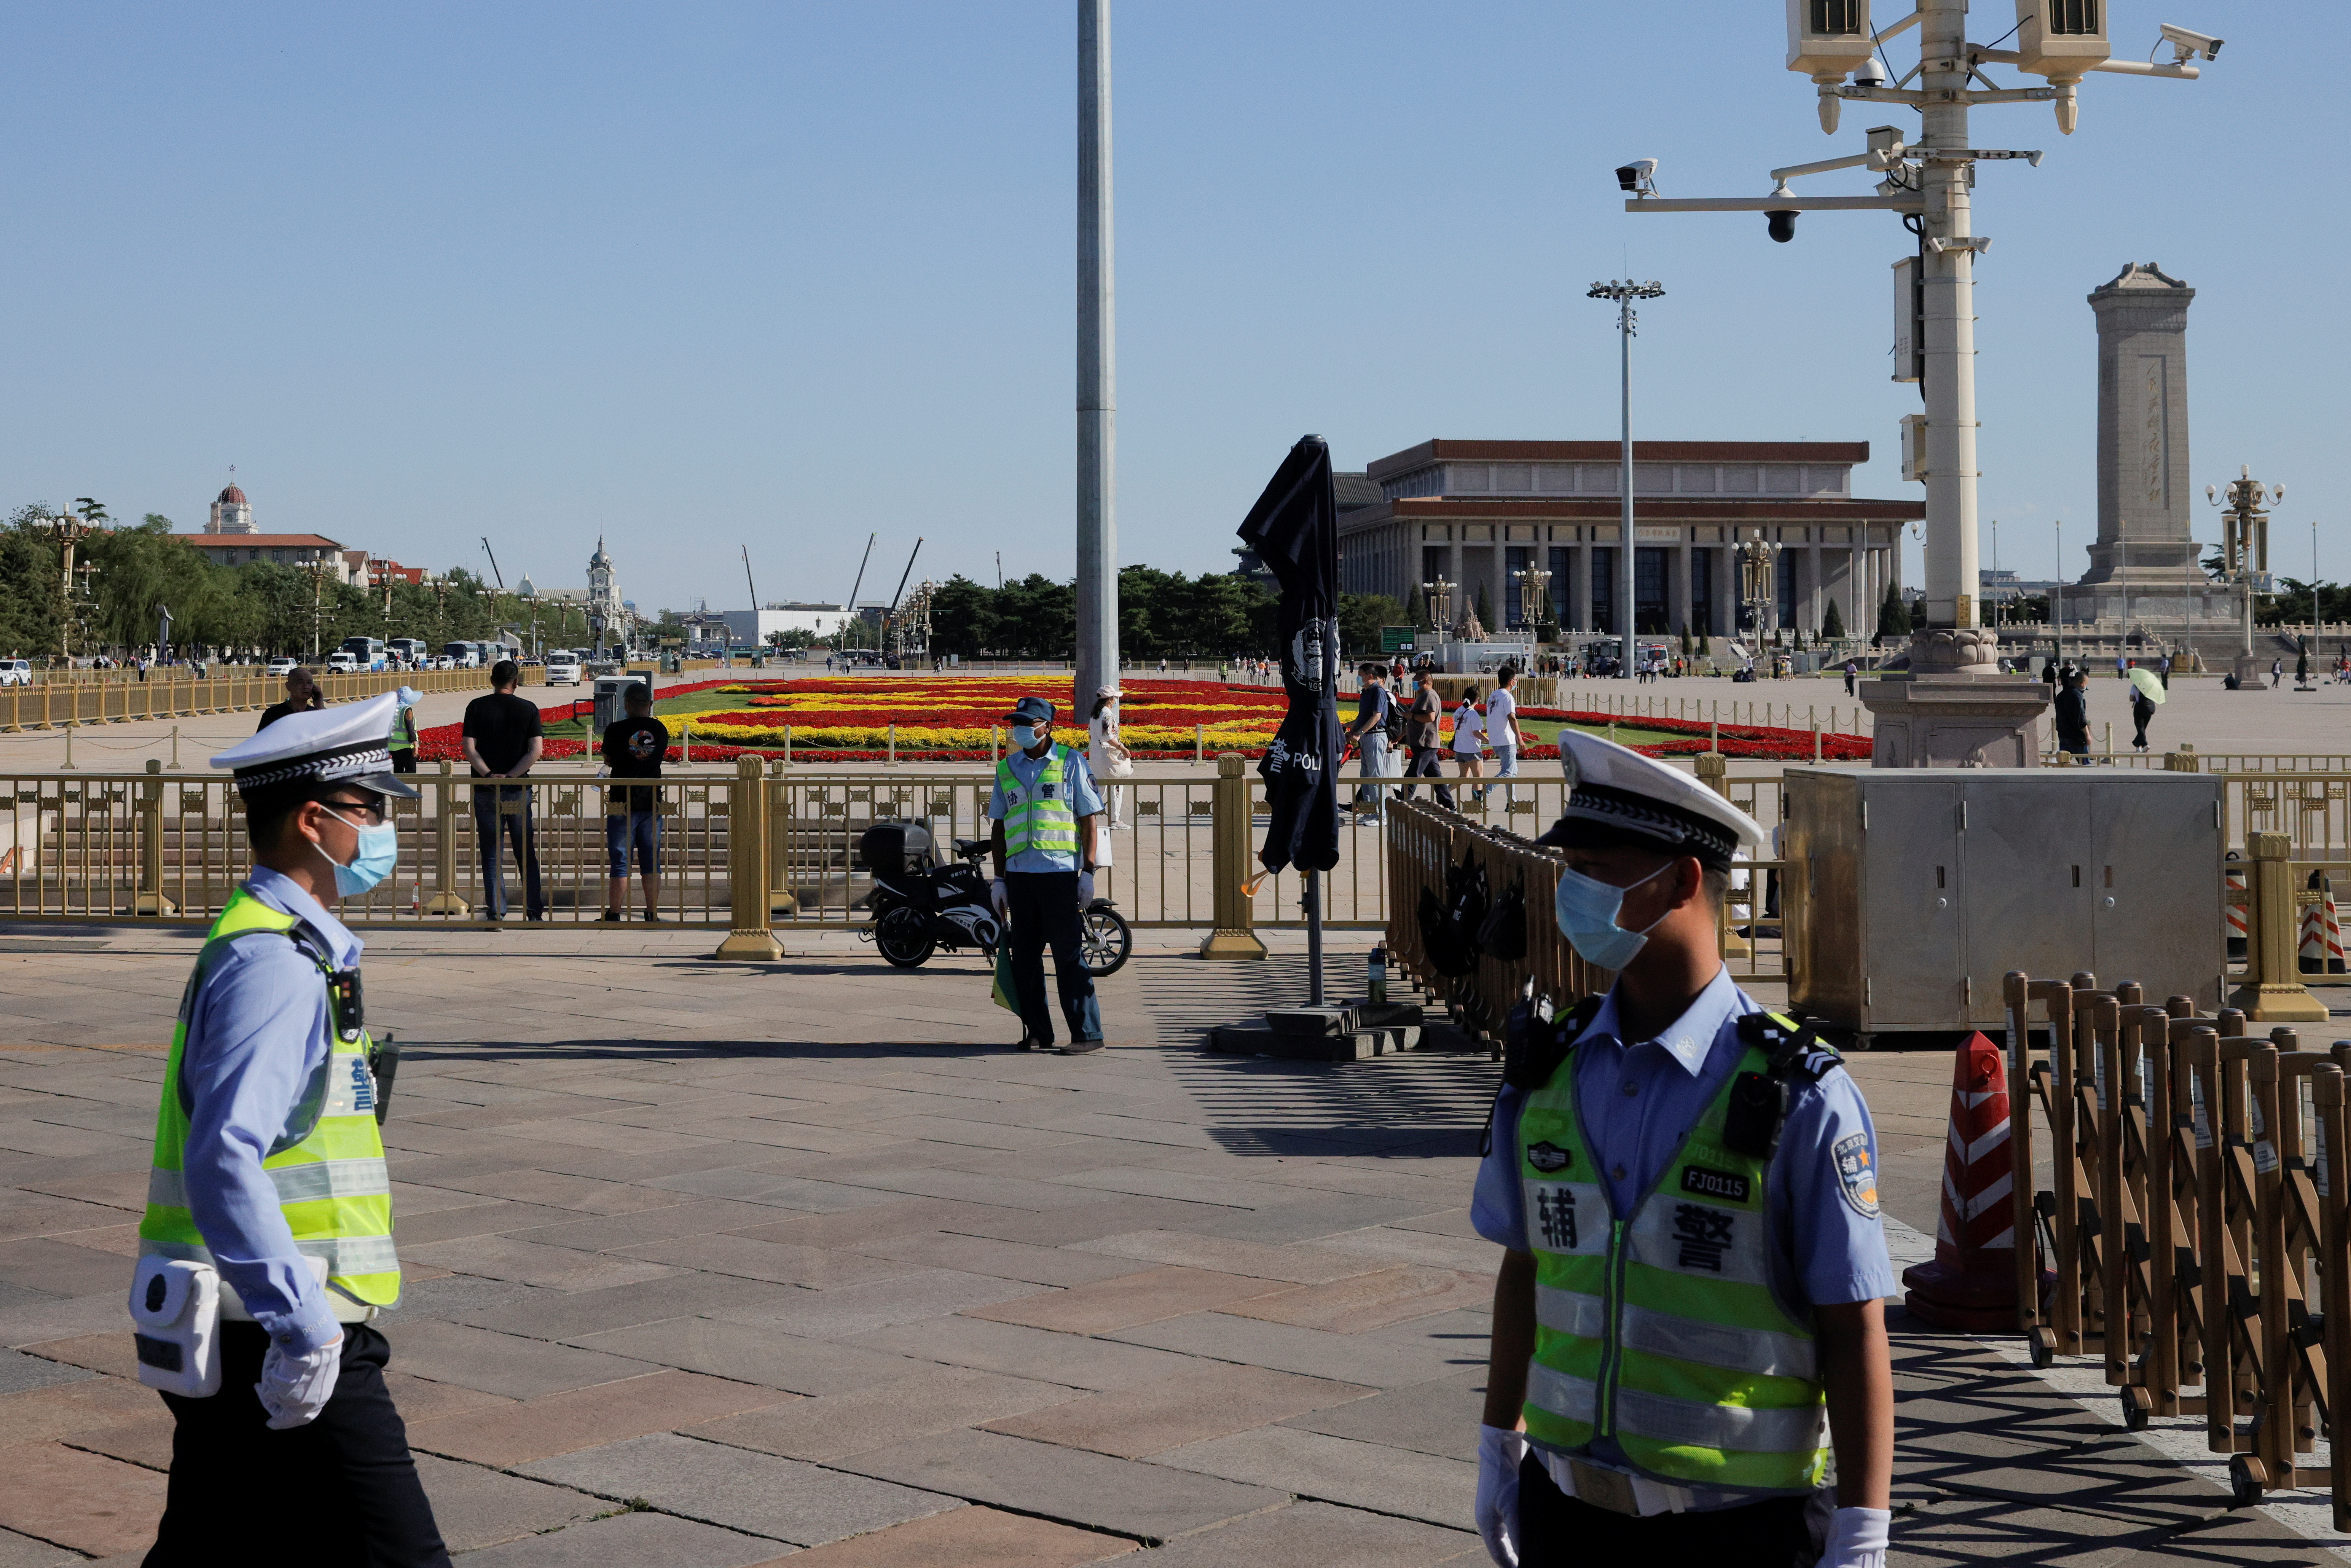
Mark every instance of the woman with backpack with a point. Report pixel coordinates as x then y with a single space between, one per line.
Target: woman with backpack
1470 737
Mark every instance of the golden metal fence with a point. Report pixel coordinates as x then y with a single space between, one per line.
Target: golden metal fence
55 704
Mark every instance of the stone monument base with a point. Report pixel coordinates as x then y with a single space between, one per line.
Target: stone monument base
1953 708
2253 671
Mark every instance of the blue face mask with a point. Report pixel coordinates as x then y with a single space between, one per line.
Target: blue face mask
1024 735
1586 908
378 852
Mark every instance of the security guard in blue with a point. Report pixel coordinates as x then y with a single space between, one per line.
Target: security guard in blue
266 1243
1688 1336
1048 817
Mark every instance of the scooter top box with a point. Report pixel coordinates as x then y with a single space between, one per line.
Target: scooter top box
894 848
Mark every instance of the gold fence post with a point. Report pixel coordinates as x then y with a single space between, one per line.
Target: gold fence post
150 899
2272 991
779 845
445 899
1230 866
2183 761
753 939
1714 772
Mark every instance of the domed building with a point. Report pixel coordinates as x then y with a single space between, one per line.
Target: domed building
231 514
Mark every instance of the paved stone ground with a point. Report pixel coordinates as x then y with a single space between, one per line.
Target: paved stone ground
709 1265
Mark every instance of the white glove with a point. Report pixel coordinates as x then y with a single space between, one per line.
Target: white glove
1001 900
1857 1538
1085 888
295 1387
1498 1453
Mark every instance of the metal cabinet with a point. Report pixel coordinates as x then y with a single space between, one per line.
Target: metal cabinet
1913 891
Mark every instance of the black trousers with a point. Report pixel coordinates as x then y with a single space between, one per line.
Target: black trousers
1045 914
344 1482
504 811
1427 761
1556 1530
404 761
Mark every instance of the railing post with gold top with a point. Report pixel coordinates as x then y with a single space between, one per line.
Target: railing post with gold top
753 939
445 899
2272 991
1230 864
150 899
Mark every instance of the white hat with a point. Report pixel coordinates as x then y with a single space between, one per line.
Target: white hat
1617 788
336 744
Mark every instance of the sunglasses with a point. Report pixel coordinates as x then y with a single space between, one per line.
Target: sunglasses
370 810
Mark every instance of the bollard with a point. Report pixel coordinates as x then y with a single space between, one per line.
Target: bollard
685 742
752 940
1817 742
70 726
175 748
1199 743
788 746
2271 993
893 761
445 899
150 899
1230 868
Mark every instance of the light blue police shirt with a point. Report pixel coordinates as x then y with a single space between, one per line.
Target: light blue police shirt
1638 1104
1085 800
259 1031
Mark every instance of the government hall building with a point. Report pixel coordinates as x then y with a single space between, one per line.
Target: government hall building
1476 512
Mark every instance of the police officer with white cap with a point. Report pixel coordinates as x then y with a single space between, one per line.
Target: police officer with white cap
267 1238
1687 1325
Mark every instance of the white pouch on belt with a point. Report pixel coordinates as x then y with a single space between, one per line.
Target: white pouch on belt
175 1306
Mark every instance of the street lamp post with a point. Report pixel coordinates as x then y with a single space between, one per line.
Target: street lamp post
1437 601
1627 320
2245 555
1928 182
1534 596
1759 580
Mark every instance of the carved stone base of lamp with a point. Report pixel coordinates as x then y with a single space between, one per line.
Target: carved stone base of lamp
2253 672
1953 708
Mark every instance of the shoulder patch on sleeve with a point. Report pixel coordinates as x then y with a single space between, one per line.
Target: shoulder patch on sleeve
1857 1172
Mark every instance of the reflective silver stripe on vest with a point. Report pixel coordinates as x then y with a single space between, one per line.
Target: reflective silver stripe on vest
1570 1312
1569 1398
1703 1240
1730 1427
304 1183
347 1256
1711 1345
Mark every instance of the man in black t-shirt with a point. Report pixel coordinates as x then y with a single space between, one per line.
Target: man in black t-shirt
633 749
301 696
502 741
1371 732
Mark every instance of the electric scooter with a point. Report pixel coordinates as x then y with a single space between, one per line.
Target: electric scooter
920 906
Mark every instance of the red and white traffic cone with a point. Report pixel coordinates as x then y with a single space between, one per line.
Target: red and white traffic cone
2310 958
2233 872
2335 963
1970 1285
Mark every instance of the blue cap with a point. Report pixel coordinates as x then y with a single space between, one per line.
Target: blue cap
1030 710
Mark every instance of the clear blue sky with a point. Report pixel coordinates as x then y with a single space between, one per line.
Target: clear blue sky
705 274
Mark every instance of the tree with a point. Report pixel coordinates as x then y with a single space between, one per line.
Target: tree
1484 608
29 564
962 617
1893 615
1831 622
1361 616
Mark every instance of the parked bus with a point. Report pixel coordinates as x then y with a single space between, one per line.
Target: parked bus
410 651
367 652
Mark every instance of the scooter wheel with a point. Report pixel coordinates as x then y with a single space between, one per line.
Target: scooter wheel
900 938
1105 942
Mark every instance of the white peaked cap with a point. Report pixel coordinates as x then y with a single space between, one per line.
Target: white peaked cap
1615 787
333 744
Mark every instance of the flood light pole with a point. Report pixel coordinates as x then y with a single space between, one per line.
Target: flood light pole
1627 321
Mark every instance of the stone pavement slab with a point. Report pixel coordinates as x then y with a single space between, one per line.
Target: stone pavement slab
638 1540
60 1268
1148 1502
1004 1260
1374 1300
1257 1259
1073 1226
745 1257
1317 1535
759 1355
476 1506
510 1365
1017 1349
676 1216
857 1227
1124 1301
527 1263
1440 1417
878 1416
1339 1469
513 1435
92 1503
850 1310
968 1538
546 1314
1210 1401
760 1494
39 1415
1311 1352
19 1372
24 1552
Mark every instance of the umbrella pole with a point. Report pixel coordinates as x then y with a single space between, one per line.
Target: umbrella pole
1313 902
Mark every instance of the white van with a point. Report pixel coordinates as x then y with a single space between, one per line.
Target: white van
15 671
562 669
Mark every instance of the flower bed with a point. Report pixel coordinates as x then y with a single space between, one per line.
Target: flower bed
955 718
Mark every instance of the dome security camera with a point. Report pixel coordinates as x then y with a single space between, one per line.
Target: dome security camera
1869 73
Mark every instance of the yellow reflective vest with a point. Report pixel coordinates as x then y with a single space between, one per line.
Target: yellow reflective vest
328 1164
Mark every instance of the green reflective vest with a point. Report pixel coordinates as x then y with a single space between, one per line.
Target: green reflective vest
1662 1331
1038 816
403 731
327 1165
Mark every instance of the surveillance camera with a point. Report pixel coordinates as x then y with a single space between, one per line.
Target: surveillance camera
2189 42
1639 176
1869 73
1781 224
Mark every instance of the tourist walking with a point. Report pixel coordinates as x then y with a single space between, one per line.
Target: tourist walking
2142 707
1635 1179
1370 731
502 740
1852 676
1423 733
283 1428
1048 821
2072 715
1502 729
302 695
634 747
1469 741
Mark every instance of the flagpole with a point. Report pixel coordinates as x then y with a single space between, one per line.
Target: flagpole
1313 902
